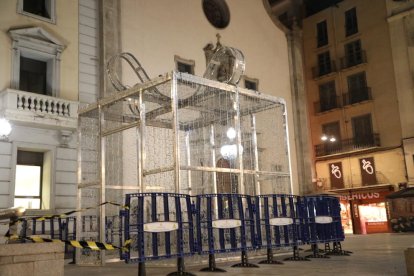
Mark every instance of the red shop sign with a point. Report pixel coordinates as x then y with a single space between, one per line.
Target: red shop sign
371 195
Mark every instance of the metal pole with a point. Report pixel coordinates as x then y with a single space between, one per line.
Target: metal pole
285 124
213 161
237 119
141 144
187 145
256 156
175 128
103 184
213 158
79 191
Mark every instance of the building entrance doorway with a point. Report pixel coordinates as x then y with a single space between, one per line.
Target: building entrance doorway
373 218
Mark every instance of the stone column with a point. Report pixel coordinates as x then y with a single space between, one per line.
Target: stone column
300 110
110 39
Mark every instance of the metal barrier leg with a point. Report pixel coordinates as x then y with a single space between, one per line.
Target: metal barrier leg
296 256
270 259
244 261
337 250
212 265
141 269
316 252
327 247
180 269
339 247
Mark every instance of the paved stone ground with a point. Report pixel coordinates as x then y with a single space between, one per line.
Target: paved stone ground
375 254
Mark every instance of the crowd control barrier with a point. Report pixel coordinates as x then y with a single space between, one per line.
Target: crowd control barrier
166 225
160 226
280 223
53 228
225 223
323 225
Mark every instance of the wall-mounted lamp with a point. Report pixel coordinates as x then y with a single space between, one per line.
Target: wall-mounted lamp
229 152
5 129
325 137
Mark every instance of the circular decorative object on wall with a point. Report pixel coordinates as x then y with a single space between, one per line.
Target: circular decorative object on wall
217 13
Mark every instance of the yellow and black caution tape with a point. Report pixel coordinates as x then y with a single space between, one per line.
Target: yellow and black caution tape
64 215
93 245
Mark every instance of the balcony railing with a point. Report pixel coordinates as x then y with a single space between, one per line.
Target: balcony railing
36 109
346 145
319 71
357 95
359 57
323 106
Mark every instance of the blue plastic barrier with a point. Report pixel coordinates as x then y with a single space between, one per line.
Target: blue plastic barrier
225 223
323 222
53 228
160 226
280 223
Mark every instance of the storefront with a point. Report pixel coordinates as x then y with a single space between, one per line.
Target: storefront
364 210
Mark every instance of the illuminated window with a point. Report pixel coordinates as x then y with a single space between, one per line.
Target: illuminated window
28 181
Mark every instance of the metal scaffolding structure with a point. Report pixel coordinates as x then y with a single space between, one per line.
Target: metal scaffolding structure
178 133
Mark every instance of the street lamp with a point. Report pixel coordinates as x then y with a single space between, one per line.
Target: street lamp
5 129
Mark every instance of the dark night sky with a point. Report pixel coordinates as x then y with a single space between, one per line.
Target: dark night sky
313 6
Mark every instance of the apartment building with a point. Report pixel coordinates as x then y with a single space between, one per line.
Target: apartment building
354 101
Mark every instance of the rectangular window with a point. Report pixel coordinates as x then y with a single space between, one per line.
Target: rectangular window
353 53
327 96
324 63
331 135
33 75
351 23
322 33
357 88
251 84
184 65
362 129
184 68
39 9
332 130
28 181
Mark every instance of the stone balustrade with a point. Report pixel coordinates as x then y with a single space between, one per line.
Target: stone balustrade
26 107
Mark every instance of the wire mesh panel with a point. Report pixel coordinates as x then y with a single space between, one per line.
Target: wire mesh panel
237 134
323 219
279 221
160 225
179 133
225 223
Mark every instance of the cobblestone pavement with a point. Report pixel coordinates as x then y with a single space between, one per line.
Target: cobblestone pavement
375 254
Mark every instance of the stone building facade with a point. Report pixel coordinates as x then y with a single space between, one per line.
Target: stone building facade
54 55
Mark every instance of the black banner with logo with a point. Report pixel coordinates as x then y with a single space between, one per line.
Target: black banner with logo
336 175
